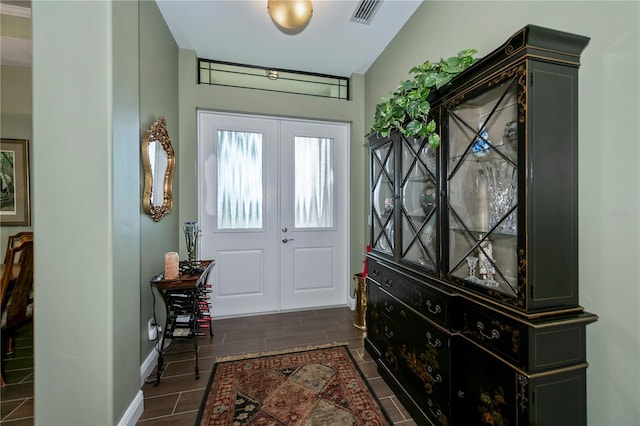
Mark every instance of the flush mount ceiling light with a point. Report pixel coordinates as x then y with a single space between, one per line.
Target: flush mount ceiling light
290 16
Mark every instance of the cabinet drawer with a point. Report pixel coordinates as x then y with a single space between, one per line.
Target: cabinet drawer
505 337
394 309
429 361
417 352
390 343
426 342
411 292
534 346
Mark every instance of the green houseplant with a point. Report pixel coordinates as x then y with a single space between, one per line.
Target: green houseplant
407 109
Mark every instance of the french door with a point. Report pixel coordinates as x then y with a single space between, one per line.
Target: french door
273 210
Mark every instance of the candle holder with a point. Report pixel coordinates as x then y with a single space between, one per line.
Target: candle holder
191 232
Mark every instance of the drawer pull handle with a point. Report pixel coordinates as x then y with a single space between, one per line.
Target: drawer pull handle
388 282
435 310
388 332
436 343
375 272
495 334
437 378
391 360
388 307
460 394
437 413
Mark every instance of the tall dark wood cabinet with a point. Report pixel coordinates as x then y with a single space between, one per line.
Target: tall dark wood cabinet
473 313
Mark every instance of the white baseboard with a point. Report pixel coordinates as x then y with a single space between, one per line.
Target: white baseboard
147 366
136 408
134 412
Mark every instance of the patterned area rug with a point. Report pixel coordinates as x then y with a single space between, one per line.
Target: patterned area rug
319 386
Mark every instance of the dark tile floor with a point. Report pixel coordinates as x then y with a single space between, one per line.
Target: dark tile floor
176 400
16 398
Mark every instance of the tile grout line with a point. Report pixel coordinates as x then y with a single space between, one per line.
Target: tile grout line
175 405
14 410
393 401
150 419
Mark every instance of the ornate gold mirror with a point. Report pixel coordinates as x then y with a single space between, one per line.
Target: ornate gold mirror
158 160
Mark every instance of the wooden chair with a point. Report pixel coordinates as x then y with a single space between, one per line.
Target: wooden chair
18 238
12 241
17 309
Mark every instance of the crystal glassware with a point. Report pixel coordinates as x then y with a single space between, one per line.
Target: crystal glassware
503 191
472 261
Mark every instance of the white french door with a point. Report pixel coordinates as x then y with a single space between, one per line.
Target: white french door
273 210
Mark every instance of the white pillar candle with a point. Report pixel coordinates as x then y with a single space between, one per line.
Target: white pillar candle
171 265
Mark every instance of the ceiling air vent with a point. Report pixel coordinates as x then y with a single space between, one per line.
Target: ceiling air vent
365 10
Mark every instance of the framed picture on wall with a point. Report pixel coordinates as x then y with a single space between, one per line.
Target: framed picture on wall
14 183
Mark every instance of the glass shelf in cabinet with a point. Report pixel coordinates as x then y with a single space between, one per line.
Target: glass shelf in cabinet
496 232
384 180
417 216
427 177
502 287
384 215
499 151
492 275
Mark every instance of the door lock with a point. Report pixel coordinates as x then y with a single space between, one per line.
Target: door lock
284 229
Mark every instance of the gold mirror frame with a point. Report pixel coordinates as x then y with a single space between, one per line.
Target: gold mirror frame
157 134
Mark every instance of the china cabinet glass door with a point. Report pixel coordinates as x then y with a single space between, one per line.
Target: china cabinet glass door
482 176
382 197
419 202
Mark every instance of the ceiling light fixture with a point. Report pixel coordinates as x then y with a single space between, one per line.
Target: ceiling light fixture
290 16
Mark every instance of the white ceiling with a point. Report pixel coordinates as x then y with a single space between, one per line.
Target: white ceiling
242 31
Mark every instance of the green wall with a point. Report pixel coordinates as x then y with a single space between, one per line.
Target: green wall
91 149
609 206
86 215
125 201
194 96
158 97
79 127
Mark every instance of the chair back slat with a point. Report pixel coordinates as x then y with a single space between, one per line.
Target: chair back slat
16 299
14 239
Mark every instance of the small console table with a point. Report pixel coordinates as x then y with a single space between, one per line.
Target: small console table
186 302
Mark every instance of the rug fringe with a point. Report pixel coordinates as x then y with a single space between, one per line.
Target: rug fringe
279 351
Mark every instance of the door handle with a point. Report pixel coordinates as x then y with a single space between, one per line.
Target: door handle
285 240
284 229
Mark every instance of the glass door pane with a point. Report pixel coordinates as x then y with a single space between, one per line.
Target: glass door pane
483 189
239 182
382 198
313 176
419 202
